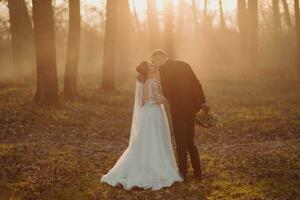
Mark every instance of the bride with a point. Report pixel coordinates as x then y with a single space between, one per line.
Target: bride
149 160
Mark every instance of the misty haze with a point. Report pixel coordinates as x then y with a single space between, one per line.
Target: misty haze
149 99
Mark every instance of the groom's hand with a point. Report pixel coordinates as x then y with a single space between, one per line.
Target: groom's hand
205 107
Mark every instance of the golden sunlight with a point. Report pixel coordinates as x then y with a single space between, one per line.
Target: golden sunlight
141 5
213 5
86 88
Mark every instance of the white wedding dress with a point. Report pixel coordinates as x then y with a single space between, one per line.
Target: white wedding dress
149 160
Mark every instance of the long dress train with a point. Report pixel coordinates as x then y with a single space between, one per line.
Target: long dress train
149 160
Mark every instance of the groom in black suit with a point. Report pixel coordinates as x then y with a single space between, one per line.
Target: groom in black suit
186 97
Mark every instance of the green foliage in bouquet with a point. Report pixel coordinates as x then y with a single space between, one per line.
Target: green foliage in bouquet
208 120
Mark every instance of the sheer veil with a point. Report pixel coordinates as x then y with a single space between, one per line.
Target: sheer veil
136 110
136 122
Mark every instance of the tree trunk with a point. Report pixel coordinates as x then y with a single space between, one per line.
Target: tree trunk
182 14
110 42
242 24
207 21
277 34
253 32
205 8
195 17
44 34
153 27
136 19
287 13
22 38
222 20
276 17
71 73
168 22
124 39
179 34
297 23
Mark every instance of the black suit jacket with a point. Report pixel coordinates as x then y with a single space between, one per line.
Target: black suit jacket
182 88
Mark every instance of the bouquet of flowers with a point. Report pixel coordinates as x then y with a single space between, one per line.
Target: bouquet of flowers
208 119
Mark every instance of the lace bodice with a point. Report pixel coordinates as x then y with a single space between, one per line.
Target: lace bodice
152 92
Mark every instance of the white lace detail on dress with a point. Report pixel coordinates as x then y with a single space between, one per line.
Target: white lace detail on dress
153 94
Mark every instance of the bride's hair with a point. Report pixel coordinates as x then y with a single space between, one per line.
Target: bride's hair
143 71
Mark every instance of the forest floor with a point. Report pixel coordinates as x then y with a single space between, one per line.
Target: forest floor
61 152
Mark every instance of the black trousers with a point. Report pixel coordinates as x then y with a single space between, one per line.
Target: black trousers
184 131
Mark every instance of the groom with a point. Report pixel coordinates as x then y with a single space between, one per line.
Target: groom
185 95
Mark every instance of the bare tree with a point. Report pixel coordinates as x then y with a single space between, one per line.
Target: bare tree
168 22
277 34
242 24
124 39
71 73
136 20
22 38
248 27
47 87
195 16
110 42
154 31
276 17
207 20
222 20
287 13
297 22
253 32
205 8
182 15
182 23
